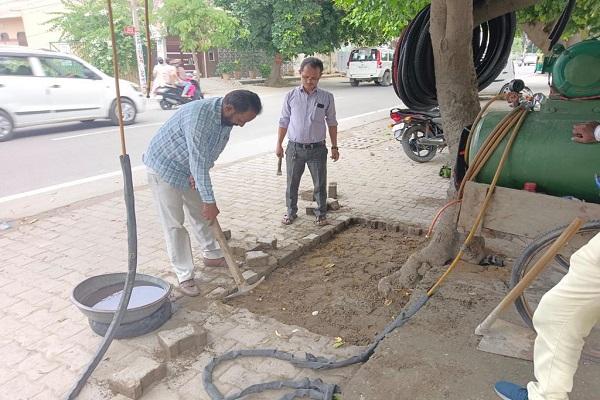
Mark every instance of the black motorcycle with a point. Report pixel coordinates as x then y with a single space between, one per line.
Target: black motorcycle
420 132
171 95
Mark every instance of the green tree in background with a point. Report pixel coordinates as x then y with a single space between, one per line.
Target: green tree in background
372 22
377 21
84 24
199 25
284 28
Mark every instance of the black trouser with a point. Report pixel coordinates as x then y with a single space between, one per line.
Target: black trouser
297 156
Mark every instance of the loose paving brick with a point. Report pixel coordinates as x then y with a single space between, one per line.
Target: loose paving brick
257 259
134 380
181 340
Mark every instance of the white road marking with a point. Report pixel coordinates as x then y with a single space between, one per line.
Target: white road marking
365 114
114 130
65 185
116 173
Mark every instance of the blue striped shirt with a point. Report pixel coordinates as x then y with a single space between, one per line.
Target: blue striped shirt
189 143
306 116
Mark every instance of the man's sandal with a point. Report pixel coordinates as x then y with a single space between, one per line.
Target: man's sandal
288 219
321 221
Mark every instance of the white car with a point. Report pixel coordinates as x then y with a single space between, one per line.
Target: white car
43 87
370 64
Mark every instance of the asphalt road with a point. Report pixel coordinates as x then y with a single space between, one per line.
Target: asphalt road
49 157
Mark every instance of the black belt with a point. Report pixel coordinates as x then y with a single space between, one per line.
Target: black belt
308 145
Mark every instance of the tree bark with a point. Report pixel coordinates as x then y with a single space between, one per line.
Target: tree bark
538 33
275 78
489 9
456 83
197 65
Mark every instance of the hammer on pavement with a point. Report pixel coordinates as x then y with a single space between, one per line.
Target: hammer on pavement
279 165
243 286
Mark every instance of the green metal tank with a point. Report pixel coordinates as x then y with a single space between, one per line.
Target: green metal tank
544 152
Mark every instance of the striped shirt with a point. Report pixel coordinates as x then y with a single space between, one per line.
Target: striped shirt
189 143
306 116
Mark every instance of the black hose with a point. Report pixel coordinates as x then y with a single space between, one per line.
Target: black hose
314 389
413 67
561 24
129 280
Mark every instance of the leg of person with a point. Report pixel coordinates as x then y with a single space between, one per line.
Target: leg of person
186 88
317 165
563 319
211 251
295 163
565 316
169 202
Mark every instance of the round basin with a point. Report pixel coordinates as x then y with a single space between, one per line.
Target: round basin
98 297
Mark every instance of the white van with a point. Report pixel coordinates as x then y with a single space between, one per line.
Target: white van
370 64
44 87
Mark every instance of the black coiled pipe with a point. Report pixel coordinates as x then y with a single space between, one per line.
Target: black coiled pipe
413 72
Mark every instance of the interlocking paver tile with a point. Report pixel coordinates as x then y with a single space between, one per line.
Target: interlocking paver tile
56 250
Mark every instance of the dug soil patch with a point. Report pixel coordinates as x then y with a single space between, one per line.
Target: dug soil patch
332 290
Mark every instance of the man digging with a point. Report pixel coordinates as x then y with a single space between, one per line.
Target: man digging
178 161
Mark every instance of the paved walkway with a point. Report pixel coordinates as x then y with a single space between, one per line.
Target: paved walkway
45 341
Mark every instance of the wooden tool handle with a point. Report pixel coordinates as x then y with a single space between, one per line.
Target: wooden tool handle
279 165
538 267
233 268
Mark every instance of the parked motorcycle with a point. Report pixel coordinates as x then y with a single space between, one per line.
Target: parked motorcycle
171 95
420 132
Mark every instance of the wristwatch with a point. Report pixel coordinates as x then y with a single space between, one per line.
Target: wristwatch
334 148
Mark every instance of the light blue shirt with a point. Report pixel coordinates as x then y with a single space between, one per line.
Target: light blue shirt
189 143
306 116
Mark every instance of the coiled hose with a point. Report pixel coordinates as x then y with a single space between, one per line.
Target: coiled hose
413 73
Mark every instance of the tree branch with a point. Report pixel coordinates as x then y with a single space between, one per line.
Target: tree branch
490 9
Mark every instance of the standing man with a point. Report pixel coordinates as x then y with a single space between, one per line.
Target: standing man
306 114
178 160
565 316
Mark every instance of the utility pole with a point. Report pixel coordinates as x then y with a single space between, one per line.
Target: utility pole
138 45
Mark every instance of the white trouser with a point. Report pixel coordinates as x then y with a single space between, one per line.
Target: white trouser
565 316
171 203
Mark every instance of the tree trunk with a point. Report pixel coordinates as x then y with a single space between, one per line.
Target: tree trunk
451 35
197 65
538 33
275 78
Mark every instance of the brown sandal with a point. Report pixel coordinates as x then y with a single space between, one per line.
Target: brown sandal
288 219
321 221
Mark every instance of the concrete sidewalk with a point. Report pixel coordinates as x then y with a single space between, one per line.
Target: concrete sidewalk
45 341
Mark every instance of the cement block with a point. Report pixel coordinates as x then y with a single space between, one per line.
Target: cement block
249 274
333 205
332 190
307 195
180 340
256 259
289 253
266 243
311 239
137 377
